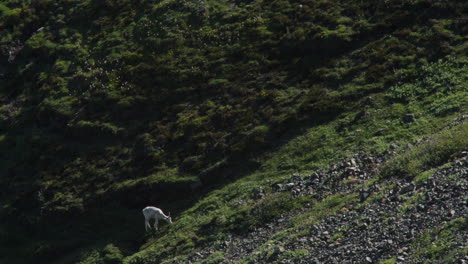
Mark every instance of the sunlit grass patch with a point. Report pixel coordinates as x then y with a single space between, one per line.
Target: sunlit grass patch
439 148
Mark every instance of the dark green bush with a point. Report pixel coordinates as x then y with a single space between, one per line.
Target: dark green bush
264 211
126 95
439 78
112 255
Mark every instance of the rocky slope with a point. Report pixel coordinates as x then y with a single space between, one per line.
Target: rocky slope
386 222
205 107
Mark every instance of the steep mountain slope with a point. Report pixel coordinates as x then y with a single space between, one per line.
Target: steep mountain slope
200 106
396 219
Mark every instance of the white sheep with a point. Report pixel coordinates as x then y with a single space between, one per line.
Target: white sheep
152 212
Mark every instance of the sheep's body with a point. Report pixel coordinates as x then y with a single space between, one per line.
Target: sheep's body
151 212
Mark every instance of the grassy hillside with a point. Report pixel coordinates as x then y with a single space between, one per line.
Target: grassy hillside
197 106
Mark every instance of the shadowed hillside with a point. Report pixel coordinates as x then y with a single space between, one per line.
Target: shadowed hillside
200 107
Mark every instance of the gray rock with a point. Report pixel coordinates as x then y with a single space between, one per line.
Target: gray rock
258 193
407 189
277 187
277 251
315 261
364 194
372 232
288 186
296 178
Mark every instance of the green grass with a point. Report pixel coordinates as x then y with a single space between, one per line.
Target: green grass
424 176
108 255
225 207
439 148
302 224
216 257
104 115
411 202
293 255
389 261
436 244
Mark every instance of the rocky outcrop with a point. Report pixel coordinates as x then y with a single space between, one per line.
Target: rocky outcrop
386 223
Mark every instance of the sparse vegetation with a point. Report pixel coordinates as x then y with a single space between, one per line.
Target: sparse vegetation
108 106
440 148
430 248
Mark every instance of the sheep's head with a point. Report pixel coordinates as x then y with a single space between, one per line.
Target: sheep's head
169 219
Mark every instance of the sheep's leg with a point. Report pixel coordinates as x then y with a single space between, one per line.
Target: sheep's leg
147 225
156 224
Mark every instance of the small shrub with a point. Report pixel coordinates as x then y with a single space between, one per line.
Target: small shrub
10 16
216 257
441 77
62 66
326 207
436 151
217 82
259 133
389 261
96 128
192 164
274 205
112 255
437 243
264 211
449 104
92 257
424 176
63 107
412 202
